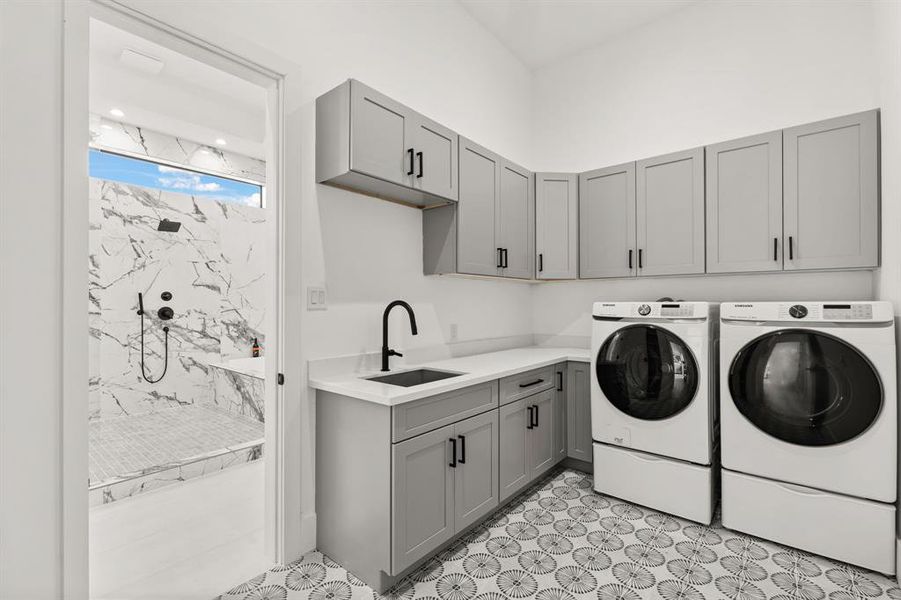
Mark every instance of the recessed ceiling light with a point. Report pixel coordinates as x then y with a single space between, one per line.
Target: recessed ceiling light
220 141
116 112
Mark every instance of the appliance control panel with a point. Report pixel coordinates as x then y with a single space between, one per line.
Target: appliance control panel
651 310
800 312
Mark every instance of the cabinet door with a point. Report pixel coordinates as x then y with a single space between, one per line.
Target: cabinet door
744 204
831 193
607 222
476 476
557 225
422 508
516 218
435 158
379 130
578 411
477 252
514 461
542 450
560 413
670 213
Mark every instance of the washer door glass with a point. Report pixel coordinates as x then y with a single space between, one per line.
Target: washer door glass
647 372
805 387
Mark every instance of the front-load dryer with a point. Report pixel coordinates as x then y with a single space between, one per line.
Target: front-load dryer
653 401
809 426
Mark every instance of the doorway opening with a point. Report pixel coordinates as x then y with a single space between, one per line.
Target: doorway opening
179 308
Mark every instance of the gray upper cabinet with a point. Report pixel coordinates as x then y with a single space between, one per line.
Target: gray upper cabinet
831 193
369 143
490 230
434 158
669 194
516 221
744 205
578 411
476 473
557 225
607 222
423 500
477 251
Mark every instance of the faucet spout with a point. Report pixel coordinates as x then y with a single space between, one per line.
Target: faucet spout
386 351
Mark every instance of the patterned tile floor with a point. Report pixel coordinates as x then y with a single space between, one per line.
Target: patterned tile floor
136 444
561 541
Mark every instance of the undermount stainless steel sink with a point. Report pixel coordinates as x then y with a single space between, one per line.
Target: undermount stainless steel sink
411 378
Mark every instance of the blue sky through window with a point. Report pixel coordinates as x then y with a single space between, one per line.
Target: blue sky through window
145 173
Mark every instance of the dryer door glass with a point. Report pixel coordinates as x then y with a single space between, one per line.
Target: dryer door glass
647 372
805 387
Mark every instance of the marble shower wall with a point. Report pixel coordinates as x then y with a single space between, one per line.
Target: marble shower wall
215 269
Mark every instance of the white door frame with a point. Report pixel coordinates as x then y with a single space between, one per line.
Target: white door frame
284 539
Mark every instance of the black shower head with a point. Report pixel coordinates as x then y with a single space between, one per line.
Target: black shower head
170 226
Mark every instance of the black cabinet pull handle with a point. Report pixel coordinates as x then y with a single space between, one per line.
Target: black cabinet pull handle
639 259
530 426
419 156
500 258
791 249
531 383
775 248
540 263
462 460
453 462
410 152
536 415
630 259
504 250
559 381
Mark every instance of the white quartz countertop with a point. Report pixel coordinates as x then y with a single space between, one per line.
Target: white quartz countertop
477 368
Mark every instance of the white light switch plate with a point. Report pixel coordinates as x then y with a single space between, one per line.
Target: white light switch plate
316 299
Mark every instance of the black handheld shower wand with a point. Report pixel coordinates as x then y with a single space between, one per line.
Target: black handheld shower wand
166 345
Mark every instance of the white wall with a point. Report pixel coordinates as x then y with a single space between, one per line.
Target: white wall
709 73
30 292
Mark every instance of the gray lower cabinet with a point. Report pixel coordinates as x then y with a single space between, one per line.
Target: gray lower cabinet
578 411
422 506
560 411
370 143
476 472
669 193
527 438
832 193
607 222
744 205
491 229
557 225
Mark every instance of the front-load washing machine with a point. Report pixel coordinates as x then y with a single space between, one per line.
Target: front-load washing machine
653 401
809 426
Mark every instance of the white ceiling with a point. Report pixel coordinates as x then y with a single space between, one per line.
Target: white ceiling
540 32
186 98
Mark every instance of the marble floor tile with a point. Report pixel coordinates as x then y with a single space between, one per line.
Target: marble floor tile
562 541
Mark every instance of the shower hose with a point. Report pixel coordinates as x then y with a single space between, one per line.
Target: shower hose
166 353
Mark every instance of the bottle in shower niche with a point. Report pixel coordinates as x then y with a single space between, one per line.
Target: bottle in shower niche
255 349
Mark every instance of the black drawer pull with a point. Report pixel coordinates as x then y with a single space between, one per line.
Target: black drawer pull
410 152
419 156
540 263
639 259
775 248
531 383
529 426
630 260
504 254
536 415
500 258
453 462
791 248
462 460
559 381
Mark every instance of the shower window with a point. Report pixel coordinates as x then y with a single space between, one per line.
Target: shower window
150 174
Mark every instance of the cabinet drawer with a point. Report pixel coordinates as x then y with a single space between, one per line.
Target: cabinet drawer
420 416
525 384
